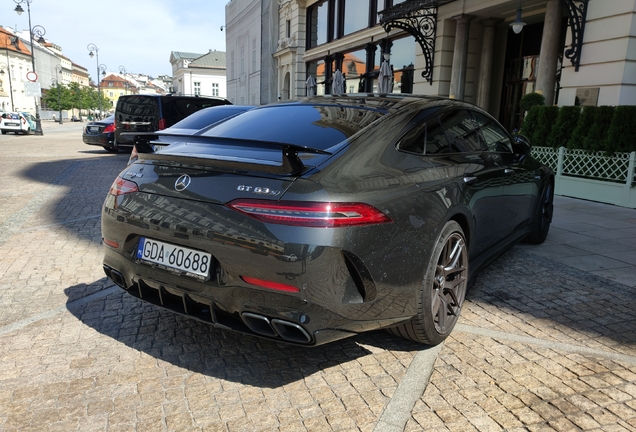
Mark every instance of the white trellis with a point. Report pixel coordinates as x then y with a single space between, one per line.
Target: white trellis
592 175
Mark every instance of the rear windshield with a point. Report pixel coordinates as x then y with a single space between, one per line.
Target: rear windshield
320 126
208 116
173 109
137 108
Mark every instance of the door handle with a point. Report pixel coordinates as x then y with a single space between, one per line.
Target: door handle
470 180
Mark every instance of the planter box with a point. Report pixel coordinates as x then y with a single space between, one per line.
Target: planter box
592 175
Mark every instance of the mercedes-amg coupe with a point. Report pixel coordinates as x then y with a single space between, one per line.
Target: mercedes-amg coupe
313 220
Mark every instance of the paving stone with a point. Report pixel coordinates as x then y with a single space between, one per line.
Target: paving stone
114 363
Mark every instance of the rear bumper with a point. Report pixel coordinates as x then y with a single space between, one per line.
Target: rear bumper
98 140
233 307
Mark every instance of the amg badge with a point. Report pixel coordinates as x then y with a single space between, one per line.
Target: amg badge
258 190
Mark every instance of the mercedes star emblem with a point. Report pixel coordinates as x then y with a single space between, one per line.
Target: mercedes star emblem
182 183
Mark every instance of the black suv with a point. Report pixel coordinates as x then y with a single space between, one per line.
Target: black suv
149 113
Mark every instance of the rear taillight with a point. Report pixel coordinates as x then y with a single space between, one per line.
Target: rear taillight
109 128
123 187
162 124
310 214
269 284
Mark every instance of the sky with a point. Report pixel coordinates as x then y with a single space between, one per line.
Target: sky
136 34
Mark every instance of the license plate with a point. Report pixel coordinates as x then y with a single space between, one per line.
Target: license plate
173 257
12 124
93 129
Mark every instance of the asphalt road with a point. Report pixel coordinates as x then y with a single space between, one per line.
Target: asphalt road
542 343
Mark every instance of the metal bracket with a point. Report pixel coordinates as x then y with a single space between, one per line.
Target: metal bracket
419 19
577 13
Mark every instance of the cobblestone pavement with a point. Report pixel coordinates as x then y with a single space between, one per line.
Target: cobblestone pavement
541 345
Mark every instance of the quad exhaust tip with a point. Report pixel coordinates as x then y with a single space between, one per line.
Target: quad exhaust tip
115 276
286 330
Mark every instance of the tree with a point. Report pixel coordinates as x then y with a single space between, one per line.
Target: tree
59 93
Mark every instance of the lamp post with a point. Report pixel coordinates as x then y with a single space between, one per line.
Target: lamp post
2 68
39 31
58 69
94 52
122 70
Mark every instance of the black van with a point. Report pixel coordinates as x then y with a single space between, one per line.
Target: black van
149 113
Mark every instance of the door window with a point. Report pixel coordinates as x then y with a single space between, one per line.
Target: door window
425 138
496 138
461 132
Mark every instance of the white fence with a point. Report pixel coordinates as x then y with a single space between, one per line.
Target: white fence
592 175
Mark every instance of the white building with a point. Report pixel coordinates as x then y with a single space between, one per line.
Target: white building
572 51
251 37
199 74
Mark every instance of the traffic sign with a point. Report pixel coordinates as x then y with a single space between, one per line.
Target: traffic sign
32 76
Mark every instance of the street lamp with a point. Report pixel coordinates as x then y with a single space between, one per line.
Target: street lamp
58 69
40 33
122 70
4 66
94 52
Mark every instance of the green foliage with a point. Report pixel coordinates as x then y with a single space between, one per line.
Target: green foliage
564 126
621 136
530 123
531 99
547 116
595 138
58 98
582 128
74 96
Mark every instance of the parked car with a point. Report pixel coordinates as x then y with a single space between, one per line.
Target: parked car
17 122
194 124
150 113
101 133
315 220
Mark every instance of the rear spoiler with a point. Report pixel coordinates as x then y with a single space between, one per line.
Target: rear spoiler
291 163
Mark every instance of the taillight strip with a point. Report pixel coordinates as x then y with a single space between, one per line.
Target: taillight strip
310 214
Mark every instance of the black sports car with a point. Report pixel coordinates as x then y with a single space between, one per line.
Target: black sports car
101 133
314 220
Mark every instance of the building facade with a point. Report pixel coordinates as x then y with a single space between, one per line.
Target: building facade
571 51
199 74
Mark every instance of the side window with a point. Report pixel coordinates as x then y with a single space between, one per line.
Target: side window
496 138
461 132
425 138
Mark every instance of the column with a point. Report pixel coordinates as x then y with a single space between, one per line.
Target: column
328 73
370 66
548 57
460 57
485 70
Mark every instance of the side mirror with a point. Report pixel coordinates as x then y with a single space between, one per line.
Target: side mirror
521 145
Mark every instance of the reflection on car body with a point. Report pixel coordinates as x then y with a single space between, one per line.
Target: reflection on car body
388 207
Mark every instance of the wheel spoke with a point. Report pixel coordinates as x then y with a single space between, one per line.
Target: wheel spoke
450 283
441 315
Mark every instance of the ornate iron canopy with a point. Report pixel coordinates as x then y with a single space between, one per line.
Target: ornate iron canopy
577 13
419 19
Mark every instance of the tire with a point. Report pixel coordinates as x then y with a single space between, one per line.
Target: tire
443 290
110 149
542 216
4 132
